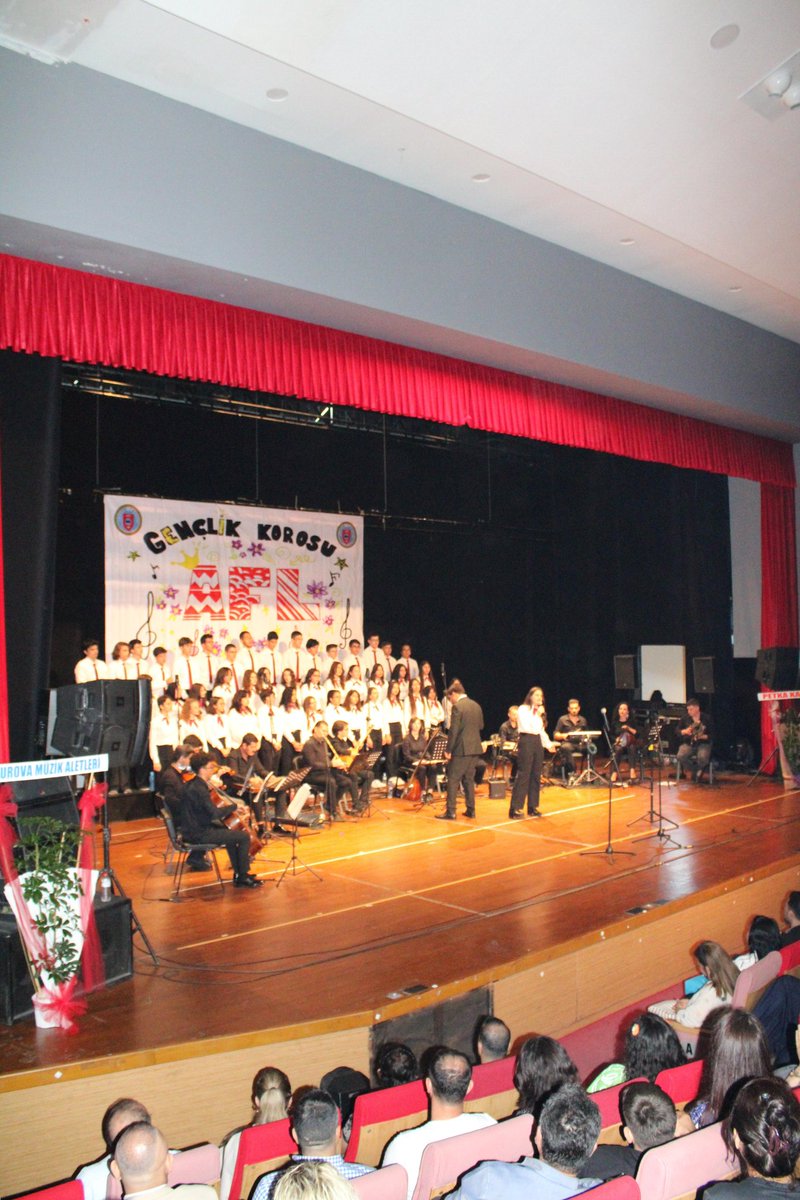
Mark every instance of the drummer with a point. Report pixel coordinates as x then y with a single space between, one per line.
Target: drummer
567 734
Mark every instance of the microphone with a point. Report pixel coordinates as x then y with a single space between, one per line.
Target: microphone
604 711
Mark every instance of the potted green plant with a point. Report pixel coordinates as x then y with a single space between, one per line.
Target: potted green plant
788 733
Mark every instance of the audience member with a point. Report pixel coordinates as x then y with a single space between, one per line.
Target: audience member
791 916
492 1040
317 1130
448 1081
269 1097
312 1180
737 1049
120 1114
721 973
566 1134
651 1045
141 1164
345 1085
763 1132
395 1063
542 1067
763 936
648 1119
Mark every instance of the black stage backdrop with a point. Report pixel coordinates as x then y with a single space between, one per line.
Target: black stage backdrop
509 561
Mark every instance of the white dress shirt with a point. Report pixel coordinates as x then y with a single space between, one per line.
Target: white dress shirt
239 724
122 668
271 725
160 677
529 721
394 713
411 665
163 732
273 661
247 660
216 731
187 672
89 670
207 667
196 727
370 658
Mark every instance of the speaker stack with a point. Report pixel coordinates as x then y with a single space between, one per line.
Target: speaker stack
109 716
624 672
776 668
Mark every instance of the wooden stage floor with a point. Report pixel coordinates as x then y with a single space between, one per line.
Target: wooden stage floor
403 899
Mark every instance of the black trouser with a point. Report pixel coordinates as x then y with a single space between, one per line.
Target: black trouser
529 772
461 769
235 841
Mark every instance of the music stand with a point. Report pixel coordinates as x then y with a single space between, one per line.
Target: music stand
662 834
609 851
371 759
295 864
432 756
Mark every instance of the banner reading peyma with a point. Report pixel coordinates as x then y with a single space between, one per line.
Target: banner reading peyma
178 569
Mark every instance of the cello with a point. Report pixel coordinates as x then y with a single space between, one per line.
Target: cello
232 820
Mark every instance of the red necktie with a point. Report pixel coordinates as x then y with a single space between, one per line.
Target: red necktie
210 674
96 673
297 667
274 669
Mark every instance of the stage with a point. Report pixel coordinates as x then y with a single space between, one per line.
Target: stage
298 974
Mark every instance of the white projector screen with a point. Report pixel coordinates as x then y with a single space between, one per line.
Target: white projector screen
663 668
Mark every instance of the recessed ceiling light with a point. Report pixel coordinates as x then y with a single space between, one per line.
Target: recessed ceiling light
277 94
481 177
627 242
726 35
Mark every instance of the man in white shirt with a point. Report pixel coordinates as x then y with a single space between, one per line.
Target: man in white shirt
448 1082
207 661
231 651
295 657
248 657
139 667
187 672
157 669
391 661
117 1117
353 655
411 664
91 667
273 659
121 667
314 660
373 656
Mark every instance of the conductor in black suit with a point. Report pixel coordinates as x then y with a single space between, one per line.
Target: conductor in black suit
464 749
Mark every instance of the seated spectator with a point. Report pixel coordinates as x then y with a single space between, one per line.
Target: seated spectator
317 1130
542 1067
721 973
312 1181
737 1049
448 1081
345 1084
763 936
141 1164
493 1038
777 1011
566 1135
791 917
117 1117
648 1119
763 1132
269 1096
651 1046
395 1063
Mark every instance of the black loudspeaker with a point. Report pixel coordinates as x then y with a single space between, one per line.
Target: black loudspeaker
45 798
497 789
624 672
776 668
703 671
110 716
116 943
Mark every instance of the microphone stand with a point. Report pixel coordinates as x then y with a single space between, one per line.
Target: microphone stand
609 851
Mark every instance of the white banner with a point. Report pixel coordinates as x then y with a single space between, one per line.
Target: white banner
180 569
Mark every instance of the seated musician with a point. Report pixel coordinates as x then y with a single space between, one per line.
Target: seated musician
694 752
567 733
412 750
625 737
508 734
360 781
202 821
244 779
323 774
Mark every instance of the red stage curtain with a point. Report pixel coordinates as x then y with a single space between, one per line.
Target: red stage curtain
89 318
4 741
779 615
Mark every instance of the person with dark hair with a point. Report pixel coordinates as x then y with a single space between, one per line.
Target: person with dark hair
317 1129
492 1039
533 739
395 1063
737 1049
201 821
763 936
651 1046
648 1119
464 749
791 916
566 1135
763 1132
448 1081
118 1116
542 1067
721 973
694 753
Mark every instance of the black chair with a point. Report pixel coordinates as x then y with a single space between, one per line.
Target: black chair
182 849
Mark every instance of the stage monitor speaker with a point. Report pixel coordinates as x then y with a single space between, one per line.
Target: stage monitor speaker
109 716
703 671
624 672
776 668
44 798
497 789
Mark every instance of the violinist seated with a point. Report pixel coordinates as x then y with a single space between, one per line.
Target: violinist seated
325 774
567 734
202 821
626 742
412 752
243 778
360 782
171 785
694 752
508 733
